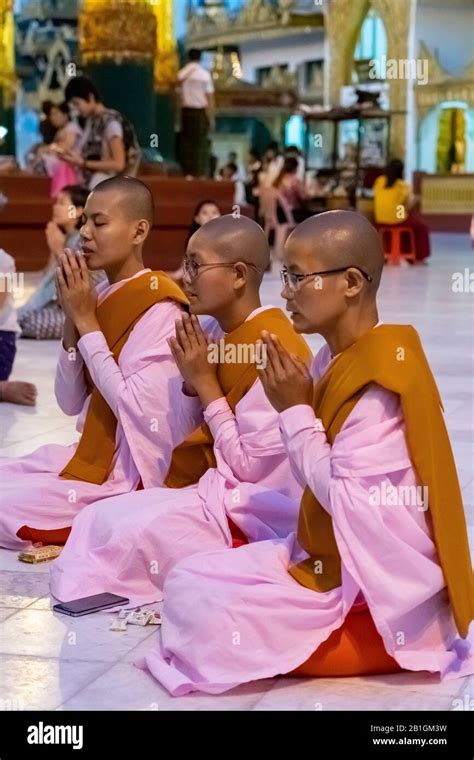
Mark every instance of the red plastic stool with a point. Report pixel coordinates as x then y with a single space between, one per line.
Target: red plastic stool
394 252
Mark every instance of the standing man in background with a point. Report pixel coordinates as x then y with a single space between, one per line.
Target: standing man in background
196 91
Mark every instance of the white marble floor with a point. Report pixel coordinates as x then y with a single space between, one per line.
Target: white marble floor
54 662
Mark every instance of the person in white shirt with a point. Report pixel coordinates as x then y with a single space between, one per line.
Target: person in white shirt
9 327
14 392
196 91
230 172
241 174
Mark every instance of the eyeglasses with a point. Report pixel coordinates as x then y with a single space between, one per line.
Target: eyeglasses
293 280
191 267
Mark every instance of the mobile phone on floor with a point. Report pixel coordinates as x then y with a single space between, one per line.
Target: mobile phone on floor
89 604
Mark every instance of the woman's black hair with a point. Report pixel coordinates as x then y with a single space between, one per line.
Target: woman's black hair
394 171
48 106
81 87
290 165
195 226
78 195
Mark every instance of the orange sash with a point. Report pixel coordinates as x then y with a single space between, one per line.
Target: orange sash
392 357
117 315
192 458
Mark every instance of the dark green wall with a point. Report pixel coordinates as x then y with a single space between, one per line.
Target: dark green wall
164 121
259 135
128 87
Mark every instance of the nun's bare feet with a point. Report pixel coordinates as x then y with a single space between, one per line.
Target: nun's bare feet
18 392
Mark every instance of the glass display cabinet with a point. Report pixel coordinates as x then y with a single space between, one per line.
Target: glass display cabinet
349 144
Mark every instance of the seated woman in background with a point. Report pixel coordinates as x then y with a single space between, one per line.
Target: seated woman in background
67 137
293 191
203 213
392 201
46 128
41 317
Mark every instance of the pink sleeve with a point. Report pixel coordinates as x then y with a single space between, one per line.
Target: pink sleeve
103 368
308 450
244 442
188 411
143 390
374 427
69 385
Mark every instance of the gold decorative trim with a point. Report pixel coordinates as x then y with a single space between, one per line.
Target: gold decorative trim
343 21
166 69
236 96
443 86
447 194
256 20
8 79
117 31
166 60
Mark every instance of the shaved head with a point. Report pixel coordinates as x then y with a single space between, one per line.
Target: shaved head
135 197
223 267
334 263
117 218
234 239
337 239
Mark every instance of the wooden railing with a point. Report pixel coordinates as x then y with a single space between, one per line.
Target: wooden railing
24 218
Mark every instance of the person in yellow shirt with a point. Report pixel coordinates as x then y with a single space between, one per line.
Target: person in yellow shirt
392 201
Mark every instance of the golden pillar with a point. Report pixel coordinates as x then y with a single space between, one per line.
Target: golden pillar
166 60
128 48
117 43
117 30
165 71
8 79
343 22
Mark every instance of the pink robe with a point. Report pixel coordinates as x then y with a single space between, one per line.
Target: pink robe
233 618
142 389
127 545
